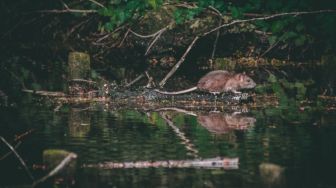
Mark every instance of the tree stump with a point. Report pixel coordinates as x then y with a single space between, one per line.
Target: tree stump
79 65
79 83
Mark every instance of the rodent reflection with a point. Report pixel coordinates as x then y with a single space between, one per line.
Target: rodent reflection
220 123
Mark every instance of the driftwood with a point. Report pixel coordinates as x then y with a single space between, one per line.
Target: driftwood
226 163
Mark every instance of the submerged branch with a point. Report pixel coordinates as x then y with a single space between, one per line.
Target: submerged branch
57 169
226 163
18 156
8 153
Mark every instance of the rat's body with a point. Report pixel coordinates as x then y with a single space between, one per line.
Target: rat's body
219 81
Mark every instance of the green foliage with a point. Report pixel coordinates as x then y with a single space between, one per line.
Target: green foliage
288 30
280 86
120 12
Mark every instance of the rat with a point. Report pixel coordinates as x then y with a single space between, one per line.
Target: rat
219 81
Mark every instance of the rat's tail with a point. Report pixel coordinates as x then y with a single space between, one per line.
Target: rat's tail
176 92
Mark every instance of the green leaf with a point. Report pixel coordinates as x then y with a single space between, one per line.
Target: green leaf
153 3
277 26
272 78
235 12
300 40
272 40
300 27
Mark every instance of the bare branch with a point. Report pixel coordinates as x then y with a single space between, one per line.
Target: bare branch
97 3
268 18
150 81
155 39
270 48
135 80
65 5
125 36
216 11
67 11
150 35
177 65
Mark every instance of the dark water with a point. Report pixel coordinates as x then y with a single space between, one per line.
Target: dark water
272 151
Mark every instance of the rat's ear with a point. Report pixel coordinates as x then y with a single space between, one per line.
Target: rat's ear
240 77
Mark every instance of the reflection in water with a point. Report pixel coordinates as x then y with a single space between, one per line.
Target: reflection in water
224 123
272 175
185 141
79 122
129 137
225 163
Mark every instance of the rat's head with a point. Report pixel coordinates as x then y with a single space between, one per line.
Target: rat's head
245 81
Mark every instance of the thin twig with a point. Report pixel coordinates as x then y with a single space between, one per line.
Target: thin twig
268 18
218 32
125 36
216 11
57 169
135 80
65 5
97 3
155 39
83 80
18 156
67 11
150 35
270 48
150 81
177 65
78 26
21 136
215 42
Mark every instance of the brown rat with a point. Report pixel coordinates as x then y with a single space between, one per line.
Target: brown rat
219 81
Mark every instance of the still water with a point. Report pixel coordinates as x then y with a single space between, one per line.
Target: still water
272 151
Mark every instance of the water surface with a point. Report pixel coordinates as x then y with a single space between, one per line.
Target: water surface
272 151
